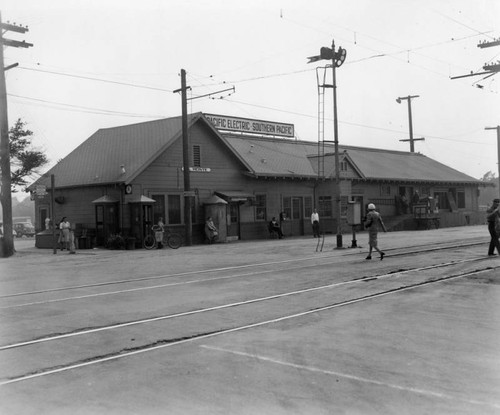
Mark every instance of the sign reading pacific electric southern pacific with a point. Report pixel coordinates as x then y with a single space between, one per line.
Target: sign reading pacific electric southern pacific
246 125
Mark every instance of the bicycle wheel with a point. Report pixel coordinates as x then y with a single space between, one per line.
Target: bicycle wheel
149 242
174 240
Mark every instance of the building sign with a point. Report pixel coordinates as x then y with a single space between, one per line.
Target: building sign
246 125
41 191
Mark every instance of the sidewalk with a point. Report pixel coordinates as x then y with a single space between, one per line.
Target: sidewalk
292 245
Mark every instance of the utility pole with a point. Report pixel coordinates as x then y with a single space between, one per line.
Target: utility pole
6 191
338 59
490 69
411 139
185 156
498 144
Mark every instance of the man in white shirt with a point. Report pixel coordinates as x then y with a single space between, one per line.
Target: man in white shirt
315 223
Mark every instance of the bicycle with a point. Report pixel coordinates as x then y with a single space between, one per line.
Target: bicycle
171 239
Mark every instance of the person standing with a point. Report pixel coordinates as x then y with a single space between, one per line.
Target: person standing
211 231
274 227
493 216
373 223
65 226
315 223
159 232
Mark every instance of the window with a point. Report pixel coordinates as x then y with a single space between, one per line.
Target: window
308 207
442 200
260 207
196 156
343 165
159 208
461 200
385 190
171 212
174 210
287 206
325 206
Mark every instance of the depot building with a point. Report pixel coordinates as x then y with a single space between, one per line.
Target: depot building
242 172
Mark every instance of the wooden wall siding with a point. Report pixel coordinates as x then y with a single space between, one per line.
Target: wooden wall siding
78 206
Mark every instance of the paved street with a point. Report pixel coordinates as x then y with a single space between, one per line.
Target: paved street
263 327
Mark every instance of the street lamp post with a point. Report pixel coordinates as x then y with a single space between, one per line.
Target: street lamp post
337 59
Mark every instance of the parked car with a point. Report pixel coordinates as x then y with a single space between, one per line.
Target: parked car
25 229
14 233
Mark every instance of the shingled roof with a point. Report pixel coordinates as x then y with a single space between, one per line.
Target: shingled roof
99 159
274 157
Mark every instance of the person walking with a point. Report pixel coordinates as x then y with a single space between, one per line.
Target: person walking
315 223
373 222
493 216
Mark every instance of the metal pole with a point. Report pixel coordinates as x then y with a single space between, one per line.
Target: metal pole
336 142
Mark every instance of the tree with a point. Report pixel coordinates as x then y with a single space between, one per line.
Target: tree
24 159
24 162
489 177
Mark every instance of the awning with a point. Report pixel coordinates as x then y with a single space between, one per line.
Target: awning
104 199
215 200
234 195
142 199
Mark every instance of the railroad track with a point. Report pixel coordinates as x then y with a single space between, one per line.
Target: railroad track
199 323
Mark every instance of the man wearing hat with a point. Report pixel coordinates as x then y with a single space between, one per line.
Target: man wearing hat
493 215
373 221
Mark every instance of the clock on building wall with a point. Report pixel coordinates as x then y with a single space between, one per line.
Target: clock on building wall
128 189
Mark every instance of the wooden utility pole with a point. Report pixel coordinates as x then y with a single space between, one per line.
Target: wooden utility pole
6 182
498 144
188 222
411 139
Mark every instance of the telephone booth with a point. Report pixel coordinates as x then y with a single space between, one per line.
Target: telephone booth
141 218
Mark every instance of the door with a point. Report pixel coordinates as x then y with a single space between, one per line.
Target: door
106 218
296 217
233 220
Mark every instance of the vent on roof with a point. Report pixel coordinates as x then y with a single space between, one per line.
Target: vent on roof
196 156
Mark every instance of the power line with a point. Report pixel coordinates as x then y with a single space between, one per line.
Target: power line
96 79
79 108
350 123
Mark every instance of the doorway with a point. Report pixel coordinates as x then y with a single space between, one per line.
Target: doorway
233 220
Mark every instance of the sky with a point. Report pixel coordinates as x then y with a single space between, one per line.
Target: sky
106 63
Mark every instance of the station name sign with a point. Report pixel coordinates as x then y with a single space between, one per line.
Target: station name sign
246 125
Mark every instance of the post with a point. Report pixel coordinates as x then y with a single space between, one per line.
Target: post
498 145
6 194
412 145
185 151
410 121
53 214
336 143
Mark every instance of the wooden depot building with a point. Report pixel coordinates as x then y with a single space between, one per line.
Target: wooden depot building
242 172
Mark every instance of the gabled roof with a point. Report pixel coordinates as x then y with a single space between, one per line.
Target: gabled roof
377 164
271 157
98 160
